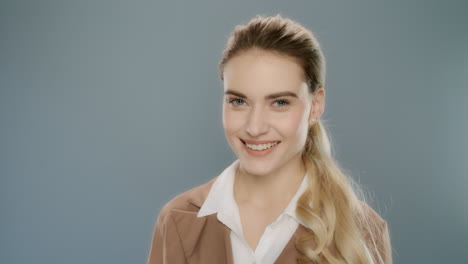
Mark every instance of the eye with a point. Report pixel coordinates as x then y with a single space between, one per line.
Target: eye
236 101
281 103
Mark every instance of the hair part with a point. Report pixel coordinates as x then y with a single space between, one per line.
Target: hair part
339 228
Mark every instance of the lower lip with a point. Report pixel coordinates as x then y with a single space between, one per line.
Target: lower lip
259 153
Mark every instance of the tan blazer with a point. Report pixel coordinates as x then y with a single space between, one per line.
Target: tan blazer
180 237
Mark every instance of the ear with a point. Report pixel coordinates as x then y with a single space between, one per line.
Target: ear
318 105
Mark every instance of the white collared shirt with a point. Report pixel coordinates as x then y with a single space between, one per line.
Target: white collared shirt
221 200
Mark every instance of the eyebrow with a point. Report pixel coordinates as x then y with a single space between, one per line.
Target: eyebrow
270 96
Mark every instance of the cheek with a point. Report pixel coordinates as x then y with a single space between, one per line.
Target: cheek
232 121
294 125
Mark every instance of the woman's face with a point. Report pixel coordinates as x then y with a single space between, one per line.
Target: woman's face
267 109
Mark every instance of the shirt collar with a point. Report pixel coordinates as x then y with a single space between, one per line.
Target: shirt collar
220 199
221 194
291 207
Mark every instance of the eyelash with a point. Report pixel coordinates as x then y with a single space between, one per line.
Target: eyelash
285 102
232 101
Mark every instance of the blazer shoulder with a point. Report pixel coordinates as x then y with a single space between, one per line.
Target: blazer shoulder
190 200
169 243
371 213
377 234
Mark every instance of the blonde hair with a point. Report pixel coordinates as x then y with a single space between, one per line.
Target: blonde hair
339 228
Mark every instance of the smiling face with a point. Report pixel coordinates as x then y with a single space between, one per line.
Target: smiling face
267 109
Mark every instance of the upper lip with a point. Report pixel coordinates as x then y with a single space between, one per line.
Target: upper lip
258 142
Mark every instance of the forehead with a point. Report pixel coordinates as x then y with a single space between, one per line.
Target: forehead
261 72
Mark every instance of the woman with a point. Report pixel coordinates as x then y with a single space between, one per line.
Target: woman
284 200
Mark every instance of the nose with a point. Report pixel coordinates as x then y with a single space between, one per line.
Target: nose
257 122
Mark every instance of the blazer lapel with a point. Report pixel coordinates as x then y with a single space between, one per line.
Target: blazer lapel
227 244
290 253
189 228
201 236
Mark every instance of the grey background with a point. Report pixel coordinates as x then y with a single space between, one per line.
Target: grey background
108 109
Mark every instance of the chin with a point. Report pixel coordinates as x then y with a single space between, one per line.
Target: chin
257 168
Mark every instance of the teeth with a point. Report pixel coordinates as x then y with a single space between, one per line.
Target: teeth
261 146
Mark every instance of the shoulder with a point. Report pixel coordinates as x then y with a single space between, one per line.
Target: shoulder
372 223
376 233
371 214
188 201
167 242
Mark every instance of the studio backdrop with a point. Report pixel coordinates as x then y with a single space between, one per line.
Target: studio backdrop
108 109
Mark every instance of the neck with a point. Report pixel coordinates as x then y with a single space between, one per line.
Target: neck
272 189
